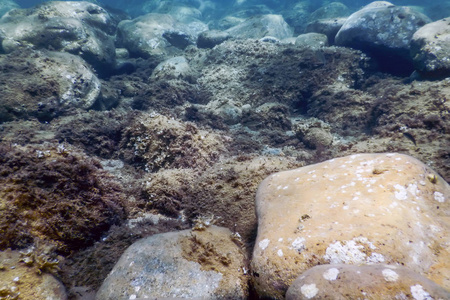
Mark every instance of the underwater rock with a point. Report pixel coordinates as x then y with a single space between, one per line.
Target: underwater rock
329 27
260 26
179 12
211 38
204 263
7 5
331 10
385 32
430 48
248 11
238 74
297 16
359 209
77 27
154 141
226 191
54 193
340 281
45 84
314 133
172 68
21 279
157 35
313 40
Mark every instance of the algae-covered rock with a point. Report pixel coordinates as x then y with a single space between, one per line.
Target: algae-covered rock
155 141
54 193
184 264
360 209
45 84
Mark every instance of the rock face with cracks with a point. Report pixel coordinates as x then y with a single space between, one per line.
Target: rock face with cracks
342 281
185 264
360 209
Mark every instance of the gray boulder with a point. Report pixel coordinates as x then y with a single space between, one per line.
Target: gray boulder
340 281
384 31
7 5
430 49
331 10
329 27
313 40
172 68
260 26
77 27
211 38
297 16
158 35
44 84
205 264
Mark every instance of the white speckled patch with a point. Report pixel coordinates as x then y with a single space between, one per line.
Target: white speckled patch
280 253
264 243
331 274
389 275
298 244
309 290
400 193
439 197
349 252
418 293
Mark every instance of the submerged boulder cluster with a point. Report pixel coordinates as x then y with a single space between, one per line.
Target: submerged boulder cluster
239 150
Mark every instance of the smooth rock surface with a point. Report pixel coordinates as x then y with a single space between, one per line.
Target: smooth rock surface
329 11
184 264
342 281
76 27
360 209
312 39
157 35
329 27
384 31
260 26
211 38
430 49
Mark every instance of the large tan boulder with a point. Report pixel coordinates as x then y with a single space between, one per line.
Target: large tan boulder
361 209
363 282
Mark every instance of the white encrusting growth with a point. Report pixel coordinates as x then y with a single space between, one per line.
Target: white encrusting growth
400 193
298 244
419 293
331 274
309 290
264 243
439 197
389 275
